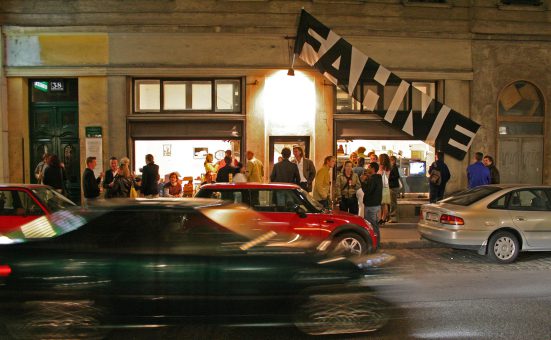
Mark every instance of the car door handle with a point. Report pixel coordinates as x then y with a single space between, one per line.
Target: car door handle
519 218
328 221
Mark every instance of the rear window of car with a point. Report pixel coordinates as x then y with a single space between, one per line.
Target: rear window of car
471 196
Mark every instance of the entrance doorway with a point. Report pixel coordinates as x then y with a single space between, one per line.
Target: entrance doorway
520 160
53 119
277 143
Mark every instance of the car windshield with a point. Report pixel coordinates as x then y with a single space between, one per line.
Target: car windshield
52 199
311 200
471 196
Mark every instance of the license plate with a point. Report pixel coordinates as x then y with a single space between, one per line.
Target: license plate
432 216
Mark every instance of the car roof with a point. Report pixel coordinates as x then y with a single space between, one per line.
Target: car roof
22 185
519 186
152 203
249 185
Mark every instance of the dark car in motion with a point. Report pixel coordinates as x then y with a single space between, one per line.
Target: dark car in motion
153 263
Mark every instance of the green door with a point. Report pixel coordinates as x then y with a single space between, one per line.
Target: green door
54 129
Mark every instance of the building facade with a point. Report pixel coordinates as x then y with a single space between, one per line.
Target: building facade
180 79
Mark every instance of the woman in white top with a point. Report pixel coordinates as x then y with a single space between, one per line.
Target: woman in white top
240 176
384 171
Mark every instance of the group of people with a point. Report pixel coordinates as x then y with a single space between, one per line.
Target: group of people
51 171
231 170
482 171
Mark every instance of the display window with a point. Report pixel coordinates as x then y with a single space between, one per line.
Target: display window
414 157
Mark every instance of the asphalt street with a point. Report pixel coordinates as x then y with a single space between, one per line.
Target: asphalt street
436 293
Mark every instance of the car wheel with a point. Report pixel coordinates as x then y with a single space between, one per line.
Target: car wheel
325 314
503 247
58 320
349 244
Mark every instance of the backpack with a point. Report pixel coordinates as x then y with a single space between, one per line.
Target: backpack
435 177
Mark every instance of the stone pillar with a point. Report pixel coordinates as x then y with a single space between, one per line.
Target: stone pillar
4 154
117 107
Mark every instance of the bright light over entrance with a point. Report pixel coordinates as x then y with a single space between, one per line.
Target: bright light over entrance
290 104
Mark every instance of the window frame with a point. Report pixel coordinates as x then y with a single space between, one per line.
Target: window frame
380 109
188 81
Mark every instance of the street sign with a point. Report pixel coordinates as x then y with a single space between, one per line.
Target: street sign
41 85
93 131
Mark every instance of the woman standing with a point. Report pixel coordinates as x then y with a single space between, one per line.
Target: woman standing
54 174
120 187
209 165
322 186
348 183
384 171
173 188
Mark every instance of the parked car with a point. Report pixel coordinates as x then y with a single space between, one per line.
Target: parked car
497 220
292 210
152 263
23 203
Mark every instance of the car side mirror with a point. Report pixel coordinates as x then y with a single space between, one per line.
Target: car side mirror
299 210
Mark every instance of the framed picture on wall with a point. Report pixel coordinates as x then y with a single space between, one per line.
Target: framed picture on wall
199 153
167 150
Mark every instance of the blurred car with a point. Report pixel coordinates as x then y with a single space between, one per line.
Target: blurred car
143 263
497 220
292 210
23 203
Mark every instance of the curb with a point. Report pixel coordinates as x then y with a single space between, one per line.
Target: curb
412 244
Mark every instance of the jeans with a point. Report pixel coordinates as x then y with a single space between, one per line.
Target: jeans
436 192
371 216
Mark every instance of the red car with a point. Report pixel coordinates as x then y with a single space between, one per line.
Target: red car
23 203
290 209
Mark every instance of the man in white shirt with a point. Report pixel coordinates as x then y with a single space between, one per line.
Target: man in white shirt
306 168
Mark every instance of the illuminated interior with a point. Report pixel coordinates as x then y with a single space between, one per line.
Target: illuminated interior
414 158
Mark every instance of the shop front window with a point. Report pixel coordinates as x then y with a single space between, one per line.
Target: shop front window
182 95
414 157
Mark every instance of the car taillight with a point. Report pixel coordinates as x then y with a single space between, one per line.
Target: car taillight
449 219
5 270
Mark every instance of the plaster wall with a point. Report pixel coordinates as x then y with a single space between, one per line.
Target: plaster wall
93 111
18 132
496 65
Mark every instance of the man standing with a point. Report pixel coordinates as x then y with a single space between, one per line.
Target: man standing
395 185
439 175
255 168
150 178
372 186
306 169
322 188
90 184
110 175
494 173
477 173
285 171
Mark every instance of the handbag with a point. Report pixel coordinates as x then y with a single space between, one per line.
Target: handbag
133 192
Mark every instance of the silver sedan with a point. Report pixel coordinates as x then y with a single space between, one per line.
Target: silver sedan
497 220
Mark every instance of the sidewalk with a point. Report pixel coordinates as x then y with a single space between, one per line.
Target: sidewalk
404 235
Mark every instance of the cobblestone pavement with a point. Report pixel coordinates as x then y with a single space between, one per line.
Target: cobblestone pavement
446 260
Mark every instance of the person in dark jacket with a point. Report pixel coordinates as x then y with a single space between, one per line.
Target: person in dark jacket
494 173
90 184
372 186
120 187
394 183
150 178
54 174
437 189
224 172
110 176
285 171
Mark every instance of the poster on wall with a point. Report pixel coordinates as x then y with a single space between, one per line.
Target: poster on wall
348 68
200 153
